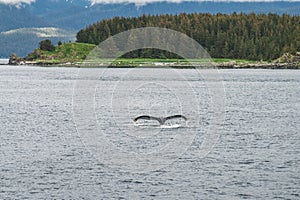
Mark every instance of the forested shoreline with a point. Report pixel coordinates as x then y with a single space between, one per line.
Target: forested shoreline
235 36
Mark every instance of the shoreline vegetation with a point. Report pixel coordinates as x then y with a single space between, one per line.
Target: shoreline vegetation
163 63
75 54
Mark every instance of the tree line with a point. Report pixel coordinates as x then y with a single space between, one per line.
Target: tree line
238 36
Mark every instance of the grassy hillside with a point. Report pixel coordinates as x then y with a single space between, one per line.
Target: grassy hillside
67 52
77 52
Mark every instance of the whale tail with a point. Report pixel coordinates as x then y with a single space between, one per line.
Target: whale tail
176 116
161 120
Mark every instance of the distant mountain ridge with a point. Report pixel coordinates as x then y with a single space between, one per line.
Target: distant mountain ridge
75 15
22 41
78 14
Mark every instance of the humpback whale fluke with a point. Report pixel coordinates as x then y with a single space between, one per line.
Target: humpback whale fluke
161 120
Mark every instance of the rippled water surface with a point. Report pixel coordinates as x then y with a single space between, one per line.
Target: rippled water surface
44 154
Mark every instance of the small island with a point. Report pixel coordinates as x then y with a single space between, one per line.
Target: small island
233 41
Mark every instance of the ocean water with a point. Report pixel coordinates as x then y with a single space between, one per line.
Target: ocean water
69 134
4 61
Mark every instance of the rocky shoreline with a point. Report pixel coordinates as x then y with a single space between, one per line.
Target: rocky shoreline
259 66
168 65
15 60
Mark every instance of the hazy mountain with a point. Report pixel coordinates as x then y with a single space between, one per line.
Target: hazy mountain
75 15
22 41
12 17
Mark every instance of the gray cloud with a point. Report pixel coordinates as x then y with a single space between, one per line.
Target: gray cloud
143 2
16 2
140 2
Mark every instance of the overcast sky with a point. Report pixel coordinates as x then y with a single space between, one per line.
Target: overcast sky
16 1
142 2
138 2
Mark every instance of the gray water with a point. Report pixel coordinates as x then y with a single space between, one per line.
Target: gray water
256 154
4 61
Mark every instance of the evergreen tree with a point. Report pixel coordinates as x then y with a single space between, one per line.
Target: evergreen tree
246 36
46 45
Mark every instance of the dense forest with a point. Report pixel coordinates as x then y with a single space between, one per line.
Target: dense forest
239 36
